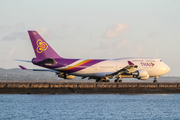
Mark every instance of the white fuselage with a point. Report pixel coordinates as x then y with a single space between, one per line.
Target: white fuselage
154 67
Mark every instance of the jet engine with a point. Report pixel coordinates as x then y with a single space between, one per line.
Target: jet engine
141 74
66 76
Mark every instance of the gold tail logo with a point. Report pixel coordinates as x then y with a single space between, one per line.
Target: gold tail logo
41 46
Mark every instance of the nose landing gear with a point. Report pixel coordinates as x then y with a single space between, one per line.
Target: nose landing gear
155 79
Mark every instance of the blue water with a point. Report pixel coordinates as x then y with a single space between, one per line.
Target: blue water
89 107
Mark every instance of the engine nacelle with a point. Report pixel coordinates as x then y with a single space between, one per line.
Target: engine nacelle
66 76
141 74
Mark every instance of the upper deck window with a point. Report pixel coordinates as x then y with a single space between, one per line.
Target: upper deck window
137 60
150 60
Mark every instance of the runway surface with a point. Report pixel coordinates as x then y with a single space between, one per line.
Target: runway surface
88 88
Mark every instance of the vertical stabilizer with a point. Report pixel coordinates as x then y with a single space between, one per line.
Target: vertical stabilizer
41 48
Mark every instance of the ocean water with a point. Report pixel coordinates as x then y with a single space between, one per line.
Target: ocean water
90 107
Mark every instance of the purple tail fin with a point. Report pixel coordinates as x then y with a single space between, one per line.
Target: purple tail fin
41 47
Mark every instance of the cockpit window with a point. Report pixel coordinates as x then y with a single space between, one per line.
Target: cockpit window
160 60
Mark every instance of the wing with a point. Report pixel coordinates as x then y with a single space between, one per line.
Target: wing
23 68
126 70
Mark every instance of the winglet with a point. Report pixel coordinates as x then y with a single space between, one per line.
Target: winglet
23 68
130 63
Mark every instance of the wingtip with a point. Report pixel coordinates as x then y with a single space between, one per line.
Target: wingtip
130 63
23 68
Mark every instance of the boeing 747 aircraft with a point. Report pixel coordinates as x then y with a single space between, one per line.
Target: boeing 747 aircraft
99 69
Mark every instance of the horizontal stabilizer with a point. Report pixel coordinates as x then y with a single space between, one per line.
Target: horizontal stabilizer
23 68
23 60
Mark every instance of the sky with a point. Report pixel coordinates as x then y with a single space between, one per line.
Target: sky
96 29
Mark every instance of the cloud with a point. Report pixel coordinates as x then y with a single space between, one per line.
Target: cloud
62 25
112 49
8 28
156 54
153 34
19 26
117 44
115 30
42 31
10 53
5 28
15 32
64 30
138 51
120 44
15 36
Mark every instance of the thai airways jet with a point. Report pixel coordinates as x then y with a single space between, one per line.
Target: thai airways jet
99 69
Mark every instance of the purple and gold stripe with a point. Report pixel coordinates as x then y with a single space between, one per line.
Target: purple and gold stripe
78 65
82 65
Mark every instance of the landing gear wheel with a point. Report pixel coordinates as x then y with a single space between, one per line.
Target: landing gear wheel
117 80
155 81
98 80
102 80
107 80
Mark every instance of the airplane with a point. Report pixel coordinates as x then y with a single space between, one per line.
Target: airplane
99 69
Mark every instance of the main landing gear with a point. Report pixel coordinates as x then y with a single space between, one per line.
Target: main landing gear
118 80
102 79
155 79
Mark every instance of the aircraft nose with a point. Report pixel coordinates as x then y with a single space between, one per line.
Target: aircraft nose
167 69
